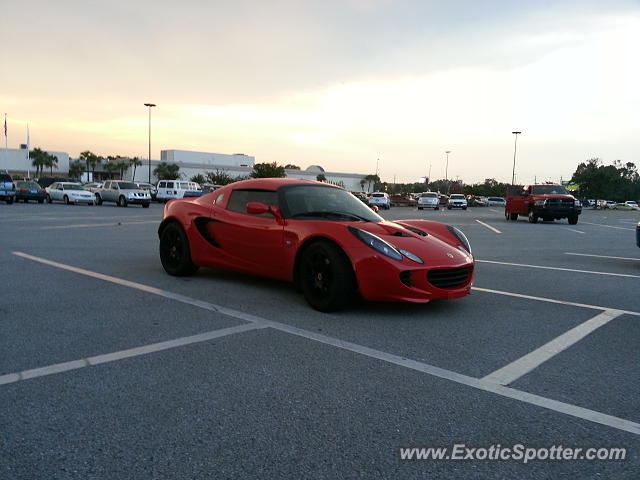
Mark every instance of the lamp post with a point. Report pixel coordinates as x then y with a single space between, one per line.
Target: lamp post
149 105
515 145
446 171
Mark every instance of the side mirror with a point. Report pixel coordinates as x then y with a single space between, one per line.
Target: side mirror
257 208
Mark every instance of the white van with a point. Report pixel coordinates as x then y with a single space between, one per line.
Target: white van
170 189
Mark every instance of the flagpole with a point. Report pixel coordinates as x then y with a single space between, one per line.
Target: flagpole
28 155
6 152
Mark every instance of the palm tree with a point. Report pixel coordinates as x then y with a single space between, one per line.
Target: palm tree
51 161
112 168
136 162
75 170
321 178
369 179
92 160
167 171
38 160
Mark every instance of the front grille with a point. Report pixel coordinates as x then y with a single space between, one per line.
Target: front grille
559 203
449 277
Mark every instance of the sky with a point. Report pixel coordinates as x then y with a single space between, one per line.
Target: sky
352 85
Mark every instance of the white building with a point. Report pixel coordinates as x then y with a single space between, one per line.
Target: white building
240 165
16 162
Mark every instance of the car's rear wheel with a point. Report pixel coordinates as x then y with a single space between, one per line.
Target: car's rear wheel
573 220
326 277
98 199
9 200
514 216
40 201
175 254
145 205
533 218
122 202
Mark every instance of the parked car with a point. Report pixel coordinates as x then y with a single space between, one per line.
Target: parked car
93 186
7 188
428 200
29 190
443 199
122 193
496 202
400 201
628 205
336 250
69 193
208 188
149 187
170 189
380 200
457 200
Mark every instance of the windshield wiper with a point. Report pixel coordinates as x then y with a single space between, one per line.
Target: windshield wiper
325 214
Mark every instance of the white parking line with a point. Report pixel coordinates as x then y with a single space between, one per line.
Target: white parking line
494 210
488 226
559 268
601 256
608 226
129 353
529 398
518 368
573 230
89 225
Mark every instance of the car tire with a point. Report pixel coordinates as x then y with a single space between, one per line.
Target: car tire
419 208
533 218
436 208
65 199
98 199
145 205
326 277
91 204
122 202
9 200
49 198
507 217
175 254
40 201
464 208
573 220
514 216
448 208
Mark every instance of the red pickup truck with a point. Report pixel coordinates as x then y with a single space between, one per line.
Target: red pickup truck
547 202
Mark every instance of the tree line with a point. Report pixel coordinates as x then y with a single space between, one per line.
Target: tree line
618 182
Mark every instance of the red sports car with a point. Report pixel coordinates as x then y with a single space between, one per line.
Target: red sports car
318 236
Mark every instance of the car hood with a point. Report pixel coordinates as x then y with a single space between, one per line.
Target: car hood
435 248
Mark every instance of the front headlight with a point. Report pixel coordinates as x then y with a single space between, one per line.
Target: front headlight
130 194
539 203
577 203
460 236
377 243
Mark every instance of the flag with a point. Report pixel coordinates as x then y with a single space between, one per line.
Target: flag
5 125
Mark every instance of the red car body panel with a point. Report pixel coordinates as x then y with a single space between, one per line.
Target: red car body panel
268 246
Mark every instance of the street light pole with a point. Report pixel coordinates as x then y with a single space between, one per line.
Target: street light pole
149 105
515 146
446 171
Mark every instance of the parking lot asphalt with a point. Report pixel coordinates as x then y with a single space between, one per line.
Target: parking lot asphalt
110 368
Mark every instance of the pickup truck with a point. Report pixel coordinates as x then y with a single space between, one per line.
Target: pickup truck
122 193
547 202
7 188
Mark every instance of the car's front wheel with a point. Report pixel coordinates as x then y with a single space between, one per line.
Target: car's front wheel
65 199
573 220
326 277
122 202
175 254
533 218
49 198
98 199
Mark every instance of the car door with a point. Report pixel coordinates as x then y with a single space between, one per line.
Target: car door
58 192
254 242
517 200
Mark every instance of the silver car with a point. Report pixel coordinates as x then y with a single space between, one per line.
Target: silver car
122 193
429 200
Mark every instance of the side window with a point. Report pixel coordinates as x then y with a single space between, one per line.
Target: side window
162 184
240 198
107 185
219 199
169 184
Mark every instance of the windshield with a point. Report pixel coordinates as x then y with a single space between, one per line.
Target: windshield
456 196
429 195
128 186
324 203
27 185
549 190
72 186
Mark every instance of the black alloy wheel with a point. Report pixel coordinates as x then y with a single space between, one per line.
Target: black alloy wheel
174 251
326 277
533 218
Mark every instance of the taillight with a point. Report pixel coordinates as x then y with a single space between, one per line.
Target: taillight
43 191
24 191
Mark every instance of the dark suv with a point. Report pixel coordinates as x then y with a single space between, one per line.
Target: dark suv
7 188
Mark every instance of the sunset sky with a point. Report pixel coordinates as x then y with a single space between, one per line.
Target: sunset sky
334 83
